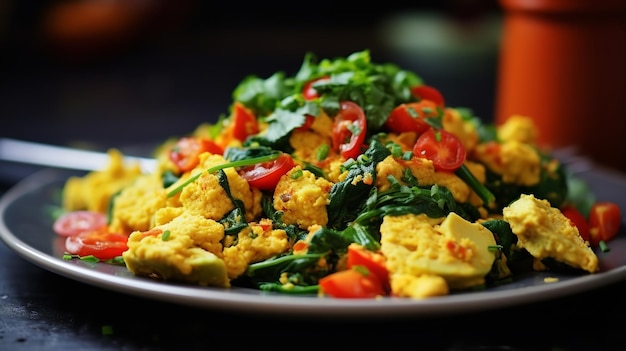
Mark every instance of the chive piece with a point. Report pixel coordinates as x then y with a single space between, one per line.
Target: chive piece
117 260
396 150
363 158
603 246
297 174
239 163
485 194
89 258
166 235
322 152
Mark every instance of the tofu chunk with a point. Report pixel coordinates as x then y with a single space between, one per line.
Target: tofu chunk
545 232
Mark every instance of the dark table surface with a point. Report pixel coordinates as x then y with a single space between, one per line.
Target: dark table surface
107 104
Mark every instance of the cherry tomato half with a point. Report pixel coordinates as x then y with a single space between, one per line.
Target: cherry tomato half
244 122
308 91
410 117
266 175
349 130
185 154
374 262
578 220
443 148
605 219
100 243
76 222
426 92
352 283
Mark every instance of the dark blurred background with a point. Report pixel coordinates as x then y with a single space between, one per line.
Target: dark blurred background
115 73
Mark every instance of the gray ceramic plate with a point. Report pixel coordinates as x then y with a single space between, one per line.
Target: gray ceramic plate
25 227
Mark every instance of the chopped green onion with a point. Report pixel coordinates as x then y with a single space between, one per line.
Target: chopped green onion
322 152
297 174
239 163
89 258
363 158
603 246
485 194
396 150
166 235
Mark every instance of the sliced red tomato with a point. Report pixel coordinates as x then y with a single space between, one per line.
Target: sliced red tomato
266 175
308 122
443 148
605 219
76 222
308 91
427 92
243 122
185 154
349 130
374 262
410 117
100 243
355 282
578 220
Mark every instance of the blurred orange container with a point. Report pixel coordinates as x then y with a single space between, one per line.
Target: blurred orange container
563 63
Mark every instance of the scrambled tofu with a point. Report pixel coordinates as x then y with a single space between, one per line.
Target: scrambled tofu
254 243
519 128
517 162
421 168
306 143
186 249
424 171
545 232
94 190
208 198
134 207
429 257
197 248
466 132
514 157
303 198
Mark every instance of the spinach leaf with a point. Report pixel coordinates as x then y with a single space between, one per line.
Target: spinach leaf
377 88
347 197
306 267
235 220
278 100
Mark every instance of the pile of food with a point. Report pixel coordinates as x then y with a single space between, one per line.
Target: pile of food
348 179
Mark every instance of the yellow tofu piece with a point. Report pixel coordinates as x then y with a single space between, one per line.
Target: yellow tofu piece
93 191
135 206
545 232
186 249
302 199
454 249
